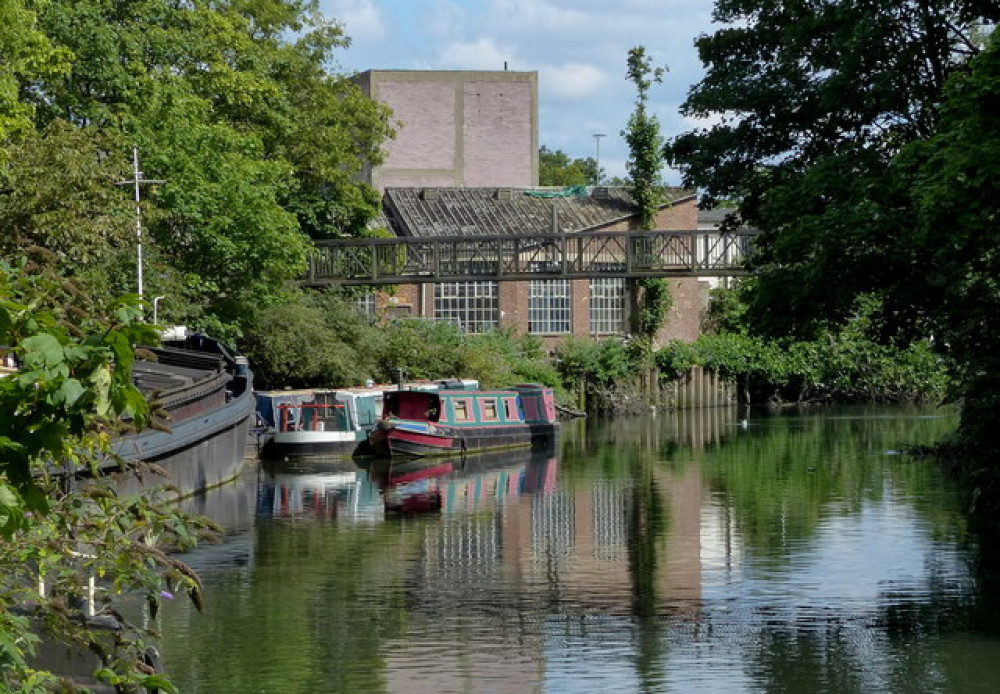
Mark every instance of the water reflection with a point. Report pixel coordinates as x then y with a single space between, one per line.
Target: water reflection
714 551
352 493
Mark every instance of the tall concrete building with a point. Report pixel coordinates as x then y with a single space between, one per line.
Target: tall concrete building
457 128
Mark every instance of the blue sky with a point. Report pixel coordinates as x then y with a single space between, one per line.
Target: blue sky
578 48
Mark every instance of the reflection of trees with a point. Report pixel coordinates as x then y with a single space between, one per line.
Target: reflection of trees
779 485
791 661
301 639
648 521
780 481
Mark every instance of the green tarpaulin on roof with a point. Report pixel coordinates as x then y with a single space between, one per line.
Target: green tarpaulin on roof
567 192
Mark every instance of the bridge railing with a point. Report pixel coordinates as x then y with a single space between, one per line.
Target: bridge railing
405 260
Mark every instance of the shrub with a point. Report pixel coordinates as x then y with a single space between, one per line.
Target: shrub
310 340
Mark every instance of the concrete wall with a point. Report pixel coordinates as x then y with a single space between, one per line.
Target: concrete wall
458 128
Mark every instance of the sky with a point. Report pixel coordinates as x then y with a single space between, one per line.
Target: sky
578 48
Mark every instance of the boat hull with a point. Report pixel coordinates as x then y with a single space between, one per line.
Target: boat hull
313 443
204 440
404 441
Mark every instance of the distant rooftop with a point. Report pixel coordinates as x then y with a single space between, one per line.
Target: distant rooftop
425 212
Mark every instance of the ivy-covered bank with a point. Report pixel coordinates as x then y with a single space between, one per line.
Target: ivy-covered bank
840 366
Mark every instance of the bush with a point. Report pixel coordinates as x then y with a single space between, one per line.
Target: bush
841 365
310 340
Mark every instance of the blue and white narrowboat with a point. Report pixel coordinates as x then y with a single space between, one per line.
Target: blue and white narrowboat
318 421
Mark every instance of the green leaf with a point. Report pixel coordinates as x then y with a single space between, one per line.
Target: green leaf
160 683
42 350
70 391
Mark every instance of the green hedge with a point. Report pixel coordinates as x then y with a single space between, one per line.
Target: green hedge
841 366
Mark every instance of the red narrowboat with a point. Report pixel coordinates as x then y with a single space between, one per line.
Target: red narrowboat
419 423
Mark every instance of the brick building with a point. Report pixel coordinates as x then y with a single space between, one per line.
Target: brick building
464 162
457 128
549 308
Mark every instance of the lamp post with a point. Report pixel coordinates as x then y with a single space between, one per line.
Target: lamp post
138 180
156 302
597 141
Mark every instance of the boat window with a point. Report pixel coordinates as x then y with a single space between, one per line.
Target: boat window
490 409
511 409
461 410
391 405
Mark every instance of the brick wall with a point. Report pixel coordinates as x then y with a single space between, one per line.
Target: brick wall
683 322
458 128
679 216
498 135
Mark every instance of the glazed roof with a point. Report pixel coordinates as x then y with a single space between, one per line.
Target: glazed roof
425 212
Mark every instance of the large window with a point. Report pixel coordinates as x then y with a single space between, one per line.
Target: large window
607 306
473 306
549 306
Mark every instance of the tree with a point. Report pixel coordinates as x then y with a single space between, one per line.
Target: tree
232 104
59 194
644 140
312 339
57 414
953 181
812 101
555 168
651 296
25 55
860 138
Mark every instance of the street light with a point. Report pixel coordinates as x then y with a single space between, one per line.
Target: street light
156 302
597 141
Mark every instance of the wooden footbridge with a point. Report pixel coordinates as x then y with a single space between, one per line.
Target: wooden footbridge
630 254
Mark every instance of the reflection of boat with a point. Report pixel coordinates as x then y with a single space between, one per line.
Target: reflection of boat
207 395
338 494
470 482
414 497
446 422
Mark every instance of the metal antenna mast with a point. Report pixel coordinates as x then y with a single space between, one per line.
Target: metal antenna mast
138 180
597 140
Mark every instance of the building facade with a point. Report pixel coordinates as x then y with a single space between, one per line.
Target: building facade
457 127
548 308
464 162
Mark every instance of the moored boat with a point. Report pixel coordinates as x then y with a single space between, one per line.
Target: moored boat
318 421
205 396
416 423
322 421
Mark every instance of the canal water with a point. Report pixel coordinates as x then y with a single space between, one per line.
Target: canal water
711 550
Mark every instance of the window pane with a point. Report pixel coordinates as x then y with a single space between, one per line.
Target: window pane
549 306
473 306
607 305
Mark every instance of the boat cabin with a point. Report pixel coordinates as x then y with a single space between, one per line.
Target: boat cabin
520 405
320 410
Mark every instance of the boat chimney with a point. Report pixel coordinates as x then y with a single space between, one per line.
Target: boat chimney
242 366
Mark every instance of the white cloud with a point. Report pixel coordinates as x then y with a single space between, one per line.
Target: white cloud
574 81
482 54
362 19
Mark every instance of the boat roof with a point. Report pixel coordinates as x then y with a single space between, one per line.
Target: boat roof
376 389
